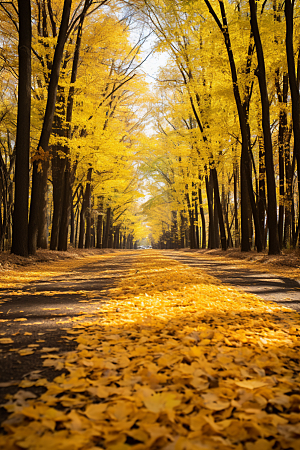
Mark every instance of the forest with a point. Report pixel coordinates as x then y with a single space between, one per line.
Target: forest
203 154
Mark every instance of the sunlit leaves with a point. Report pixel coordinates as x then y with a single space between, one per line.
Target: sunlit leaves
176 361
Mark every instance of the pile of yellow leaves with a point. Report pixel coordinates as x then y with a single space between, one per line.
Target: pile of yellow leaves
174 361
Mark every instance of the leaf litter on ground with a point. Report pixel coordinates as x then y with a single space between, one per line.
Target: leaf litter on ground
175 361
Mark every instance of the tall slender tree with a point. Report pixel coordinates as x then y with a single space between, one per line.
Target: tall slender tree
274 247
41 162
20 216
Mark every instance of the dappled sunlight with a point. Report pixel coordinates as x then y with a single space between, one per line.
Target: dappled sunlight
174 360
20 276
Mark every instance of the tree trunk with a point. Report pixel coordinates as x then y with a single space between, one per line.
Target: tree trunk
274 247
182 230
72 223
39 177
235 201
282 133
174 230
191 220
197 242
58 178
202 219
66 209
88 213
261 201
211 228
99 230
85 205
289 18
107 227
42 235
289 197
219 208
81 225
20 218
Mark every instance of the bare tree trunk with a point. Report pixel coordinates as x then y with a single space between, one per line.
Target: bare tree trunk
191 220
88 213
107 228
85 205
274 247
202 219
39 177
235 200
20 219
219 208
197 242
42 236
211 228
294 87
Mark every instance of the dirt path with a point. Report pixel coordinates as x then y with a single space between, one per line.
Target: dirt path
273 287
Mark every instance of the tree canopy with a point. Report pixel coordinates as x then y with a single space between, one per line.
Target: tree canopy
206 155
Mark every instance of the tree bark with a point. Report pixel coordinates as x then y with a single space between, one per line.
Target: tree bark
282 138
39 176
202 219
289 19
274 247
67 174
88 213
42 236
66 207
219 208
197 241
85 205
20 217
99 231
191 220
211 228
235 200
107 228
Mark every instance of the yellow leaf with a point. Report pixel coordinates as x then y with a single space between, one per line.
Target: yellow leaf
95 411
251 384
6 341
212 401
161 402
25 351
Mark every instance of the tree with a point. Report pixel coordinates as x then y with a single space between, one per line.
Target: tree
20 215
274 247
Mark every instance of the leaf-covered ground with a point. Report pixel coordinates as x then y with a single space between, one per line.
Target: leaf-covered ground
177 361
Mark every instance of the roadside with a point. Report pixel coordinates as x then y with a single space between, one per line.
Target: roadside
286 264
267 280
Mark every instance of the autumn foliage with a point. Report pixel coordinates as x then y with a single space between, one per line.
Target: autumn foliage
173 360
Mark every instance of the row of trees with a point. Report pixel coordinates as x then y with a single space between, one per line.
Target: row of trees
70 114
225 161
222 165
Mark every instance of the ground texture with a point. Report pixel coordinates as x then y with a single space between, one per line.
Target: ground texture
147 350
